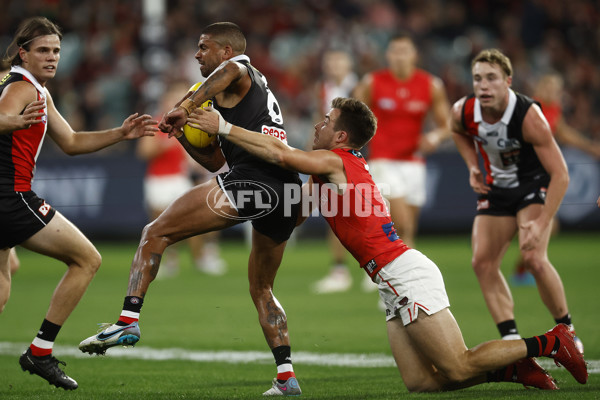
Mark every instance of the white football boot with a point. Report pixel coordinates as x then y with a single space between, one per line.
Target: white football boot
109 336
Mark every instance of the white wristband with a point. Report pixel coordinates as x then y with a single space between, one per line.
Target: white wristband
224 126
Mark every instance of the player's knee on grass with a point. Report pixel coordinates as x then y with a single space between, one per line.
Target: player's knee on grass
422 385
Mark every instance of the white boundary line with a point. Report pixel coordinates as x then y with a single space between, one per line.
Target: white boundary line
237 357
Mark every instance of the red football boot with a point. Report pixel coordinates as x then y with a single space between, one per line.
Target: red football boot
528 372
567 354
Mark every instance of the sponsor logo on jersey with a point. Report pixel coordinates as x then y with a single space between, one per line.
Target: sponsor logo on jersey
508 143
276 132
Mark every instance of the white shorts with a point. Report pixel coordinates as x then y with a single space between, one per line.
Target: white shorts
404 179
409 283
160 191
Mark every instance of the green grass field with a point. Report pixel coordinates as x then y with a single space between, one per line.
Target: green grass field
204 316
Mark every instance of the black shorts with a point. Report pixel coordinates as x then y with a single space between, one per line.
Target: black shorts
508 202
263 199
22 215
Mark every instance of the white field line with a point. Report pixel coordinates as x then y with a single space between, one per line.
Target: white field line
236 357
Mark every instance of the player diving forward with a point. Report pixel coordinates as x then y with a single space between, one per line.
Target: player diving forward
425 339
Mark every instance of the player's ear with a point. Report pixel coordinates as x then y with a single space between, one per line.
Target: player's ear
227 52
22 54
342 137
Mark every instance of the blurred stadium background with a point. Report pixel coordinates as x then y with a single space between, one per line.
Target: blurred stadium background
118 57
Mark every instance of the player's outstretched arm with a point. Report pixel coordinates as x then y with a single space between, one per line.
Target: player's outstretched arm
569 136
319 162
73 143
268 148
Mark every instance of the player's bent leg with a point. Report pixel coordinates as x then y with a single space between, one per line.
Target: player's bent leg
61 240
416 370
490 239
13 261
5 278
548 281
189 215
265 258
439 338
196 212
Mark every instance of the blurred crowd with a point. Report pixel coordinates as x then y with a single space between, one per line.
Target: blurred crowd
107 70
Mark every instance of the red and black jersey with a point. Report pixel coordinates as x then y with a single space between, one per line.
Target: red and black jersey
19 149
359 217
508 159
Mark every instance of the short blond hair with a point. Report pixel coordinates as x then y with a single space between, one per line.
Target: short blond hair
496 57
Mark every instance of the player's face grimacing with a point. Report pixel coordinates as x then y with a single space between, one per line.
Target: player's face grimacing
209 55
325 132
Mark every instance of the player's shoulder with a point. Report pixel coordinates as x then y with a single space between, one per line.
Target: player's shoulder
459 104
17 86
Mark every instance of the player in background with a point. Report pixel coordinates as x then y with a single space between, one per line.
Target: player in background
401 97
525 180
206 248
27 113
239 91
167 177
338 80
424 337
548 92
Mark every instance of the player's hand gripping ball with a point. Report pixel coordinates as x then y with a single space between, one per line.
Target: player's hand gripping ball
197 137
